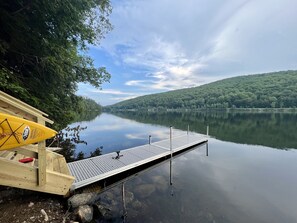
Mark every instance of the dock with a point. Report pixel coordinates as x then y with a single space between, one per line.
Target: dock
49 172
102 167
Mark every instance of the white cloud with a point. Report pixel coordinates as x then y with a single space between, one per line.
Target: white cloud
170 44
112 92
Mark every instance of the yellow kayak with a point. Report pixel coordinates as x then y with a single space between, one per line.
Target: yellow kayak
15 132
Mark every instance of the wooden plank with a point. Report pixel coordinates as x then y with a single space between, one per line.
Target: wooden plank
41 163
26 152
7 97
9 154
16 111
15 174
18 157
7 111
57 165
34 163
49 162
54 153
63 166
4 153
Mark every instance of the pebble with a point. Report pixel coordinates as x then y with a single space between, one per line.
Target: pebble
44 214
30 204
84 213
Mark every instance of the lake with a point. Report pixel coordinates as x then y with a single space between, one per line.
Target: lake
249 174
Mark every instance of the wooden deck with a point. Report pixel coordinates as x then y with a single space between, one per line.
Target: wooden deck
98 168
48 172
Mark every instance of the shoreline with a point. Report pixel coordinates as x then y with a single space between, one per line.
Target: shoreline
209 110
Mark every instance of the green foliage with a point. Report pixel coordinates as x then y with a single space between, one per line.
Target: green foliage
80 156
67 140
96 152
42 52
277 130
271 90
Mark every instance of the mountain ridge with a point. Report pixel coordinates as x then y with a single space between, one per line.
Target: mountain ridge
267 90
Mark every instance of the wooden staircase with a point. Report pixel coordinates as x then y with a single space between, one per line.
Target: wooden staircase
48 172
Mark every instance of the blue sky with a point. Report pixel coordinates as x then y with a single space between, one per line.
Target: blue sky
162 45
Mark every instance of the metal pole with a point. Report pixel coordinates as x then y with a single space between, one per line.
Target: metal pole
170 183
207 130
150 139
124 203
171 140
170 172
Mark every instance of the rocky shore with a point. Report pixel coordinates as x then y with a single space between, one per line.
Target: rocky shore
23 206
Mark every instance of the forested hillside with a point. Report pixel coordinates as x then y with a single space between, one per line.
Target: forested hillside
270 90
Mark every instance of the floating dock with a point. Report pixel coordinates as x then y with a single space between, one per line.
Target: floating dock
99 168
48 171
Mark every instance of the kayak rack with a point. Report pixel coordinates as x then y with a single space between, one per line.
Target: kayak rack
32 167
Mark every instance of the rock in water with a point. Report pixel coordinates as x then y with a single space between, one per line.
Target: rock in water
102 210
145 190
129 196
84 213
160 182
82 199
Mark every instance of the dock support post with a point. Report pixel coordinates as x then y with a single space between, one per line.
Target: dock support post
188 130
171 140
207 148
207 130
124 202
150 139
170 182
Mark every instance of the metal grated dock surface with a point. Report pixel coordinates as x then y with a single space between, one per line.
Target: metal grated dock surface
93 169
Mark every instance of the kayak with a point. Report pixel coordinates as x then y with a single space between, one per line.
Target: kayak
16 132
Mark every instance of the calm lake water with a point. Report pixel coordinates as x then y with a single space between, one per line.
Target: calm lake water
249 175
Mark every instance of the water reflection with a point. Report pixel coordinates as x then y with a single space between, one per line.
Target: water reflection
114 133
237 183
233 182
277 130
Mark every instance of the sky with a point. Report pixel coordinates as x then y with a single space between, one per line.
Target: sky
163 45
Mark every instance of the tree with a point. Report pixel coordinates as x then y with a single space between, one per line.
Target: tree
43 48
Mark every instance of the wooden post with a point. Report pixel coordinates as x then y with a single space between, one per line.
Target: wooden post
150 139
41 159
207 148
207 130
188 130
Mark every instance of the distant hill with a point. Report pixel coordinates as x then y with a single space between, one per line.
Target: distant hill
270 90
